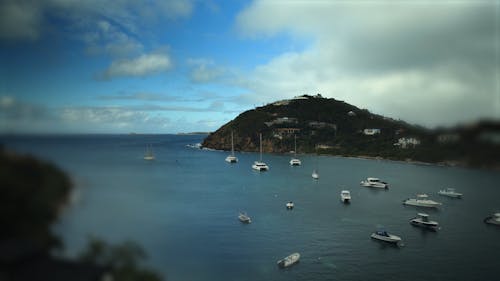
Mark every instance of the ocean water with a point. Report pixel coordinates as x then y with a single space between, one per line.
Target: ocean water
183 207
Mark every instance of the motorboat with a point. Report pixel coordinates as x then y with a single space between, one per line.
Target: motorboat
149 154
422 201
374 182
383 235
244 218
450 192
345 196
231 158
259 165
290 260
315 175
290 205
422 220
493 219
295 161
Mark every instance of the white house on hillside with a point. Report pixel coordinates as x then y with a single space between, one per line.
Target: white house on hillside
407 142
371 132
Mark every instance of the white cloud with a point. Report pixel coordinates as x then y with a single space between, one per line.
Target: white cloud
419 61
142 65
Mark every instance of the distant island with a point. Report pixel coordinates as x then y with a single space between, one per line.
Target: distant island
332 127
193 133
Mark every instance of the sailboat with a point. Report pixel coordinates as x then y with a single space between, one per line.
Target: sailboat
259 165
149 154
295 161
315 174
231 158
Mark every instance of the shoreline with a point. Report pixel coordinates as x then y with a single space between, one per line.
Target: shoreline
449 163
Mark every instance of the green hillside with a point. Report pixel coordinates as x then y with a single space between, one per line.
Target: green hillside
329 126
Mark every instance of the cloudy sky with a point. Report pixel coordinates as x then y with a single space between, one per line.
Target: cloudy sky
186 65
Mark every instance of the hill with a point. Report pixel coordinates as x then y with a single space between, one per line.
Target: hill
329 126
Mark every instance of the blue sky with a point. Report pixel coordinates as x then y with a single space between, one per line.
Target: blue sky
69 66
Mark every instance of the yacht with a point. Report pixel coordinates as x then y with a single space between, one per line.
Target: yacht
345 196
493 219
422 201
422 220
244 218
290 260
149 154
315 175
290 205
259 165
295 161
374 182
450 192
231 158
384 236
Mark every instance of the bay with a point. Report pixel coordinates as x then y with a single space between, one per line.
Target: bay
183 207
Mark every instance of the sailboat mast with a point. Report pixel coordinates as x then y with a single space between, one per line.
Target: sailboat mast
295 150
260 138
232 144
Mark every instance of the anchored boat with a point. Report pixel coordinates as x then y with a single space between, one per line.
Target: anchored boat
450 192
422 201
383 235
290 260
422 220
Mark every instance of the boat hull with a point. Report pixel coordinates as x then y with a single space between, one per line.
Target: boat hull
289 261
391 239
428 225
259 168
374 185
452 195
422 203
231 159
491 220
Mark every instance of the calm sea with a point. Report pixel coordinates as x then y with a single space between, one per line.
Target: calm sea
183 207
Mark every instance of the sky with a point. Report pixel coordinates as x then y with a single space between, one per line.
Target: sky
70 66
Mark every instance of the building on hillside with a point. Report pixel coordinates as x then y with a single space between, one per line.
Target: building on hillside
351 113
371 132
321 125
284 132
407 142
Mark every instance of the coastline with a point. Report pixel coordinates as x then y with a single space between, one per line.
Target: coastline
449 163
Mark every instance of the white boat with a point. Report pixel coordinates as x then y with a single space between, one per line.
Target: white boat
149 154
493 219
345 196
259 165
422 201
295 161
231 158
374 182
290 260
244 218
385 236
290 205
450 192
315 175
422 220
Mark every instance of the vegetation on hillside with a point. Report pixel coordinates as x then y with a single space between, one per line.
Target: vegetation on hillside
329 126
